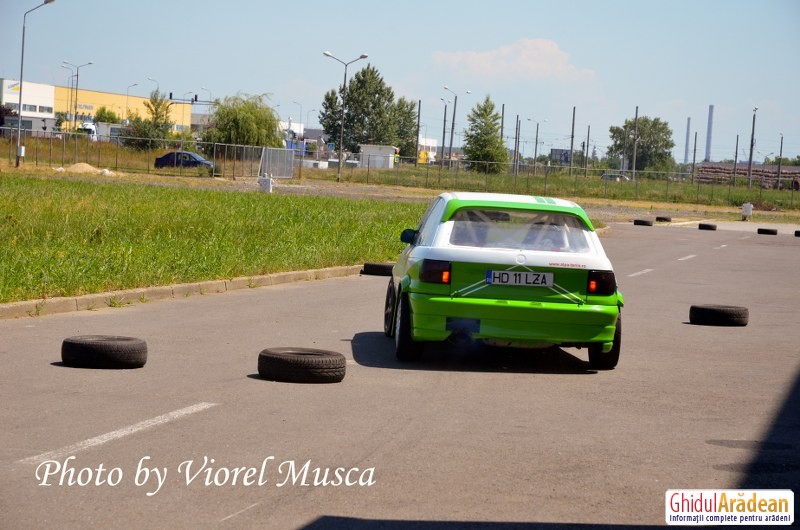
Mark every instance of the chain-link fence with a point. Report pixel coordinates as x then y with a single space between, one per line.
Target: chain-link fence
66 149
549 179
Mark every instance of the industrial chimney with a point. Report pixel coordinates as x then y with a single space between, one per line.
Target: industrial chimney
708 133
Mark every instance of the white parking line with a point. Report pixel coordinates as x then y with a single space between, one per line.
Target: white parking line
719 247
231 516
114 435
690 256
645 271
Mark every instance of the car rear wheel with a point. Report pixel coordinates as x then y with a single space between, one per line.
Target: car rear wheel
388 310
404 346
607 361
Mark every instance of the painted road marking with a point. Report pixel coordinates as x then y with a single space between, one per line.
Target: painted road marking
719 247
231 516
114 435
690 256
645 271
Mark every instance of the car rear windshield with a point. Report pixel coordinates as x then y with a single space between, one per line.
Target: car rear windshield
519 230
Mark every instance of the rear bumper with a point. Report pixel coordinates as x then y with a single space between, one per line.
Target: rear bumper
436 317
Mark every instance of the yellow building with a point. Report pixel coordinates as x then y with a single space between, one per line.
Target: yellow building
89 101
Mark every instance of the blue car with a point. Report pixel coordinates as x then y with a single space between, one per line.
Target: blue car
182 159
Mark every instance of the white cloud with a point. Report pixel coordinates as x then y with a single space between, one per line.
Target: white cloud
526 59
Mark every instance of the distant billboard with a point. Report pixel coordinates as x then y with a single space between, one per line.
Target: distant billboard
560 156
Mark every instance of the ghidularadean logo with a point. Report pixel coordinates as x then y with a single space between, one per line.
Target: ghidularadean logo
718 507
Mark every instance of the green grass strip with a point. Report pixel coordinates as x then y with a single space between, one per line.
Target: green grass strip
68 238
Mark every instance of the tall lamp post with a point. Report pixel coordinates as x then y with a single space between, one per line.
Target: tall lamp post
752 145
444 126
69 98
127 93
344 100
158 88
308 114
780 159
453 126
77 80
20 154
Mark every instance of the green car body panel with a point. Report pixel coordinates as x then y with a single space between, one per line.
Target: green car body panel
562 312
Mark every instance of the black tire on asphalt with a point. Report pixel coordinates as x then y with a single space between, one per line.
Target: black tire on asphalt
642 222
663 219
718 315
388 310
103 351
797 233
707 226
768 231
377 269
607 361
405 349
301 365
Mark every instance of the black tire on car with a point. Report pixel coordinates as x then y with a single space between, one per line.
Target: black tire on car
301 365
768 231
405 348
103 351
663 219
388 310
707 226
377 269
607 361
642 222
718 315
797 233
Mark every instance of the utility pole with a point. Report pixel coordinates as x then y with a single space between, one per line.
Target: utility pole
572 141
752 145
636 140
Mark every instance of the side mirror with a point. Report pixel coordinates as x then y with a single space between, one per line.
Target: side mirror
408 236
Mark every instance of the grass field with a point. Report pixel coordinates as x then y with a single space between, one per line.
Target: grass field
71 237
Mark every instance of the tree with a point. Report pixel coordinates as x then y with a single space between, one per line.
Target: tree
244 120
405 119
158 109
654 146
6 112
482 142
146 133
106 116
372 116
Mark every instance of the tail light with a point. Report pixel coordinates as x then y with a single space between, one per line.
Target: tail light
434 271
601 283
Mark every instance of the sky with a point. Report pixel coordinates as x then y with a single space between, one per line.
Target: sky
535 59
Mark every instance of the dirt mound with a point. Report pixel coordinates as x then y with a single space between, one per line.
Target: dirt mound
81 168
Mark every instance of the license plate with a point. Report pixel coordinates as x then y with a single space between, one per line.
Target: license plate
520 278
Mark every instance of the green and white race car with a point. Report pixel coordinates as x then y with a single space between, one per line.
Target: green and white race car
506 270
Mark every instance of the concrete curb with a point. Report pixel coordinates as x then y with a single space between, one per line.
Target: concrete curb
90 302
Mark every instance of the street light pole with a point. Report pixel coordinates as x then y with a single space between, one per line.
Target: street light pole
453 127
20 154
77 80
344 100
780 158
308 119
158 88
69 98
127 93
444 127
183 119
752 144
